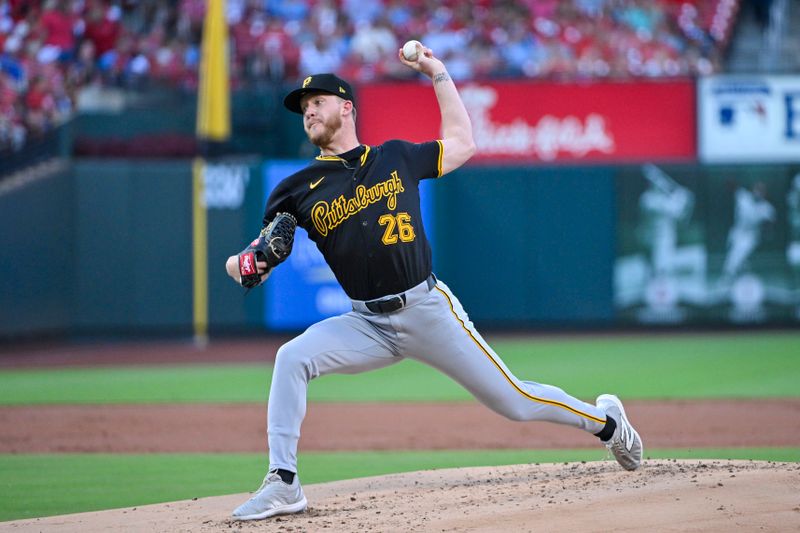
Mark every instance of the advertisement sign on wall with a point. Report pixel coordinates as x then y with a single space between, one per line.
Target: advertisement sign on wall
699 244
545 122
752 119
303 289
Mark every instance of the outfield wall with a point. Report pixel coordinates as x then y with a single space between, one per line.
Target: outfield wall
37 240
105 247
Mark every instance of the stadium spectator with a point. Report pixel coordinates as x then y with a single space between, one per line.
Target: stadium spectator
59 28
103 27
373 41
324 53
49 52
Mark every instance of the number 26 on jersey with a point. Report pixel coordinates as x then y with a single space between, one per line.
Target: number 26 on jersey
398 227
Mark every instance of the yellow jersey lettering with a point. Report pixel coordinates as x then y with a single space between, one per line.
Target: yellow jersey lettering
404 227
402 221
389 236
328 216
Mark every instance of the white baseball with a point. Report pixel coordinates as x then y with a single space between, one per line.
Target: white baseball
410 50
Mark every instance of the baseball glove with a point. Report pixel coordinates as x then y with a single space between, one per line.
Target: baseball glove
273 246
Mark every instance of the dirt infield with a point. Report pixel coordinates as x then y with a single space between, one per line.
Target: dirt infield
333 427
661 496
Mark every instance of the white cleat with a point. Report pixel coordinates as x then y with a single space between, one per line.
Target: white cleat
274 497
625 443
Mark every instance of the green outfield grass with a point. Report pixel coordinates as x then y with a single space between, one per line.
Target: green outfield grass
747 365
44 485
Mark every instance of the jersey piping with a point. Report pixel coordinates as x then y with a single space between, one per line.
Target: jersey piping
439 161
366 153
363 156
508 378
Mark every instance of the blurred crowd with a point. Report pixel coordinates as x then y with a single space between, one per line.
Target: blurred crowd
50 51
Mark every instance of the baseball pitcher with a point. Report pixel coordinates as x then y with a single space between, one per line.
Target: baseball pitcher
360 204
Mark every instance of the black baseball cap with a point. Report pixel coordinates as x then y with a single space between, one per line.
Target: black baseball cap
325 83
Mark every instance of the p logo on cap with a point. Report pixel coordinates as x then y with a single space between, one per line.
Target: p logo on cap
323 83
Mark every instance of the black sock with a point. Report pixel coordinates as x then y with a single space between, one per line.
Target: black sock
608 430
286 476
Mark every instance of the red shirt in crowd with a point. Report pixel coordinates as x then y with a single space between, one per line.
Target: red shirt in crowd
103 33
39 98
58 27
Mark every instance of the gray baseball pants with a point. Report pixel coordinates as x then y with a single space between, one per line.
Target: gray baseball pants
431 328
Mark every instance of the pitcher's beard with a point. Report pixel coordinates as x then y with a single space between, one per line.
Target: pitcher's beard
329 129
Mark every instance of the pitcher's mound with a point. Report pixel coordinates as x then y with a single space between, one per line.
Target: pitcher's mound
663 495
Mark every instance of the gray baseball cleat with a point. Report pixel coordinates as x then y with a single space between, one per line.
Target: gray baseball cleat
274 497
625 443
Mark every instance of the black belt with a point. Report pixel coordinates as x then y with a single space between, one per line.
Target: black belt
390 304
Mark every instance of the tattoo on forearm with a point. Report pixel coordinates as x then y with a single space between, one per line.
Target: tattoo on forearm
441 77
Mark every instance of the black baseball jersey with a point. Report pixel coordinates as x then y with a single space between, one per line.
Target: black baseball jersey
362 209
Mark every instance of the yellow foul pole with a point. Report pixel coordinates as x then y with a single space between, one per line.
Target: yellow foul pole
213 108
213 125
